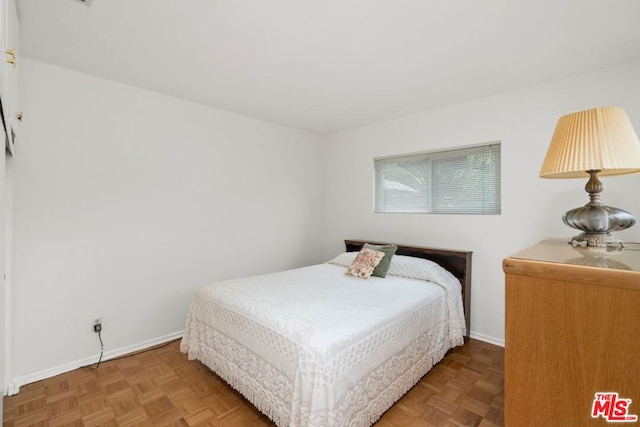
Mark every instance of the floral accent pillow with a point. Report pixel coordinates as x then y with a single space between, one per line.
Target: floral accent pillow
364 263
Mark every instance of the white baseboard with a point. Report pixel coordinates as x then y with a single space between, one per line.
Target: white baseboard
487 338
14 388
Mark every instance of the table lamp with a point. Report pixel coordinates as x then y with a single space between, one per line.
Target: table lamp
599 141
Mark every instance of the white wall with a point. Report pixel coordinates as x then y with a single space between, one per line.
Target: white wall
127 201
531 207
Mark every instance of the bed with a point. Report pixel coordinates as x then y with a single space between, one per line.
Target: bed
315 347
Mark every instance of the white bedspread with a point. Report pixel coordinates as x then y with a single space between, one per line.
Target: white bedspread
313 347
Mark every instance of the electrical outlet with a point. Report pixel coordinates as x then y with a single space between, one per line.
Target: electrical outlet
97 324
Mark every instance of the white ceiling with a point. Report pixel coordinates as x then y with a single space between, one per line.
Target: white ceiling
326 65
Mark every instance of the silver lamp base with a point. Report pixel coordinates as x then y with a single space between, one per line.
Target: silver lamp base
597 240
595 219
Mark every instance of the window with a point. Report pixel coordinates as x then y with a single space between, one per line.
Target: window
458 181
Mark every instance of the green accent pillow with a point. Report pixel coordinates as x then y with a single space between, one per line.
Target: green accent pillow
383 266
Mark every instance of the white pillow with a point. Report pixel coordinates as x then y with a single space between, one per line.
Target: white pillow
421 269
344 259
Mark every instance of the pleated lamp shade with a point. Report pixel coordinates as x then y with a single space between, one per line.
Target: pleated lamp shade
597 139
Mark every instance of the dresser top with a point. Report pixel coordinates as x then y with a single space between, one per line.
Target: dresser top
559 251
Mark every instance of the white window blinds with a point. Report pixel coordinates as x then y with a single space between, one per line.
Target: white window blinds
458 181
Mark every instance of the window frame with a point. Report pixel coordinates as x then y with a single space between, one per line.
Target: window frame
430 184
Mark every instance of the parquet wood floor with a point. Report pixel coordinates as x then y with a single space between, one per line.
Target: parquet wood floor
162 387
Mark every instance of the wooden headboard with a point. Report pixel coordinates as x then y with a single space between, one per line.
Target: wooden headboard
457 262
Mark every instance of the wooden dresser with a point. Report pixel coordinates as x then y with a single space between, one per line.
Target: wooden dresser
572 330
